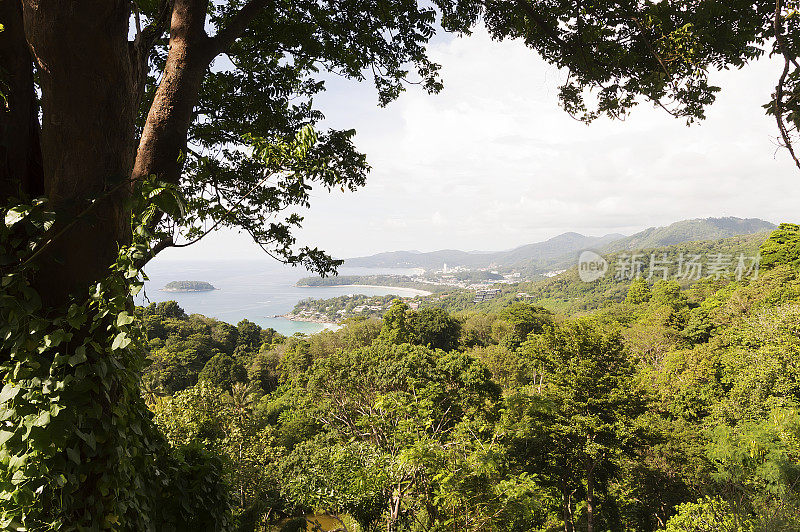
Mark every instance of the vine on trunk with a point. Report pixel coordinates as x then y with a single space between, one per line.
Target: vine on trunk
78 447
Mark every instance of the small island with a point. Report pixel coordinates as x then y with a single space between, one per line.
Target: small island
188 286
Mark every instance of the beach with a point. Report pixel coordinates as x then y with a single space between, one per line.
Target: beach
413 291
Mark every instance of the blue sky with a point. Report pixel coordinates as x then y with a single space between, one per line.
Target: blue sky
492 162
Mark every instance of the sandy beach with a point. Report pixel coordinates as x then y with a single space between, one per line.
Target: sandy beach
412 290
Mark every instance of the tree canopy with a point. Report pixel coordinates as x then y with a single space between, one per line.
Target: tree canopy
219 97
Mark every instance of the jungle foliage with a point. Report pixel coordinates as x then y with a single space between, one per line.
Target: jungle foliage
675 408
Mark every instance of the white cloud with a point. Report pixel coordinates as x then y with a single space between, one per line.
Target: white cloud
493 162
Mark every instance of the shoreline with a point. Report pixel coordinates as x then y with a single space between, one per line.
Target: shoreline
415 291
326 324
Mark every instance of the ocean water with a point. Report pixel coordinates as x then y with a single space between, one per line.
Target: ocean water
255 290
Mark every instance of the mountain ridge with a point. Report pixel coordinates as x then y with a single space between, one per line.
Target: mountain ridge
560 250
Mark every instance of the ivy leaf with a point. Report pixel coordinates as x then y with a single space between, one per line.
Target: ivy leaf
9 392
124 319
79 357
43 420
5 435
15 215
121 341
73 455
88 438
17 461
54 339
76 316
169 201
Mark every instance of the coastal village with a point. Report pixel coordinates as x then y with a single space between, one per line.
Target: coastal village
481 284
337 310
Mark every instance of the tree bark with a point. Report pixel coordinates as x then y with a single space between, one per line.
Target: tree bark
391 521
394 510
567 505
165 132
590 496
87 138
20 154
90 78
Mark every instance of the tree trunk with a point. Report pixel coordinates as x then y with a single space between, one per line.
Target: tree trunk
394 512
87 138
567 505
165 132
20 154
590 497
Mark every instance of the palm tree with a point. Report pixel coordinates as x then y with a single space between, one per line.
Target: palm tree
241 399
151 392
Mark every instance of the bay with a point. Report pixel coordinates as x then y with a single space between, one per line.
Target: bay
257 290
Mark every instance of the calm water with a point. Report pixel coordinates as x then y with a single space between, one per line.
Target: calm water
256 290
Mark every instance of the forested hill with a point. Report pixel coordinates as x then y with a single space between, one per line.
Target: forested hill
566 293
689 231
560 251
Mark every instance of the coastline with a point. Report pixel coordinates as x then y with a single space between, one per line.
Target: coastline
326 324
415 291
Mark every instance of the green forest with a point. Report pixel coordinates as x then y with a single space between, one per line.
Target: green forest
675 408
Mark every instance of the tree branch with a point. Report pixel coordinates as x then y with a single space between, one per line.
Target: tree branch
540 23
154 250
779 89
222 218
145 40
147 37
236 26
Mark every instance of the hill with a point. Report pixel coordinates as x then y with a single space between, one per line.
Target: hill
416 259
690 231
561 251
566 293
538 254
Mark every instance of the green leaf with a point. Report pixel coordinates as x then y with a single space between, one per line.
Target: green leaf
9 392
124 319
19 477
5 435
88 438
121 341
79 357
17 462
43 420
15 215
73 455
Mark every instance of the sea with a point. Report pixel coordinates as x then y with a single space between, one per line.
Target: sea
258 290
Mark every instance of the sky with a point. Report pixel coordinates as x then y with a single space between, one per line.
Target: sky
493 162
